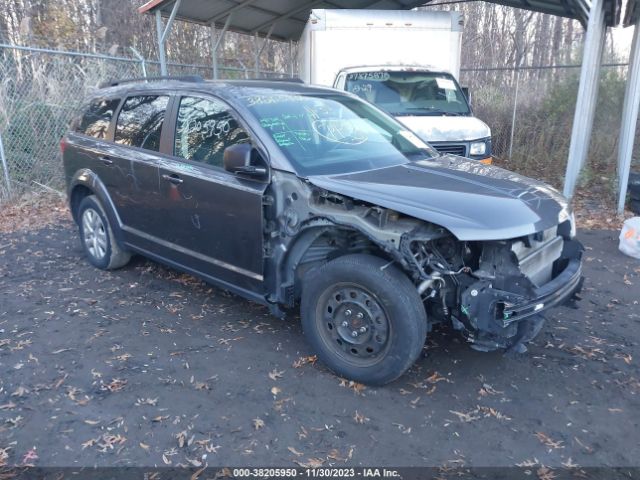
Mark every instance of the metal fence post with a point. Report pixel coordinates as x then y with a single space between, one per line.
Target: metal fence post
5 167
513 116
143 64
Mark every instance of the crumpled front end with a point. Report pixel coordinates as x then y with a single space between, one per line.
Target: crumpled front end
495 292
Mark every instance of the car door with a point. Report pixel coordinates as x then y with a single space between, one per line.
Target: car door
134 157
93 144
213 217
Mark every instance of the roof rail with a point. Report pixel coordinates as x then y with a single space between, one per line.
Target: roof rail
280 79
181 78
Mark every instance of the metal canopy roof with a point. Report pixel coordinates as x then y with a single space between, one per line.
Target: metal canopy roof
285 19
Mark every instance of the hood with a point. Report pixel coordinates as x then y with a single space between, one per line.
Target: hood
446 129
472 200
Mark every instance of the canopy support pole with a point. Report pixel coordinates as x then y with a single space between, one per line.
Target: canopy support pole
629 119
260 48
162 32
587 96
216 42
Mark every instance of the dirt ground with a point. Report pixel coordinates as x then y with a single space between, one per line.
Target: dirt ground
145 366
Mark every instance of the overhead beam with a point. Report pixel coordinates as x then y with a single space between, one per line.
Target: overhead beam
587 96
629 119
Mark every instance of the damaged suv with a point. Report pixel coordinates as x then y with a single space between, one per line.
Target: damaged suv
291 195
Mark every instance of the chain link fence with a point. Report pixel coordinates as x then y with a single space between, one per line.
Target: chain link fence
530 111
40 92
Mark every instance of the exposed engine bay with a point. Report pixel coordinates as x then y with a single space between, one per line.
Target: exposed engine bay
492 291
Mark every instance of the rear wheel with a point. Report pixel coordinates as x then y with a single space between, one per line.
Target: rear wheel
97 237
364 318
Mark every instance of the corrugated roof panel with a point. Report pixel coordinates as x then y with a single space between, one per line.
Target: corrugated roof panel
288 17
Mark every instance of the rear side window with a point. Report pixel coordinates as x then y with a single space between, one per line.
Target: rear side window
140 121
205 127
96 119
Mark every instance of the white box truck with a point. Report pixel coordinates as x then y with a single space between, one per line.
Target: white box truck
405 62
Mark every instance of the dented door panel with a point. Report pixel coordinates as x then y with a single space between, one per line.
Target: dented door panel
215 218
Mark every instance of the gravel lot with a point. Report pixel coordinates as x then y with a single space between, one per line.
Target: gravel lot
145 366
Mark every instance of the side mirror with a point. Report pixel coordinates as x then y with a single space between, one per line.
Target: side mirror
243 159
467 94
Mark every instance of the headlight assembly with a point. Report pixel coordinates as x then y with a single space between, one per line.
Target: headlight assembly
478 148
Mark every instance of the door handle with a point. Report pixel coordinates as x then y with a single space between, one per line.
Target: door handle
175 179
106 160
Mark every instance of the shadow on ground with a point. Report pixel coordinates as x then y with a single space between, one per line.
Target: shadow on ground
146 366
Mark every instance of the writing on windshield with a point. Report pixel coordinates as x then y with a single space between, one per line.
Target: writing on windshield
328 134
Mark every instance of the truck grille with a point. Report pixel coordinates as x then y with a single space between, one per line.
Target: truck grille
460 150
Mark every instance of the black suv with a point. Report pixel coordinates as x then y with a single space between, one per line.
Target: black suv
289 194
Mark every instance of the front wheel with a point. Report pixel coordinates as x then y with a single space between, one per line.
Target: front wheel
364 318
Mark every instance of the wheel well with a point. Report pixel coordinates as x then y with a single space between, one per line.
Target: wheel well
332 244
78 193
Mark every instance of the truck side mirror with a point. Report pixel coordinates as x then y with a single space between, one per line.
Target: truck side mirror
467 94
244 160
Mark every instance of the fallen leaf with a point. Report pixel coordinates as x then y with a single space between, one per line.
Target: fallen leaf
295 452
258 423
545 473
30 457
311 359
546 440
197 473
310 463
20 392
182 437
144 446
359 418
275 374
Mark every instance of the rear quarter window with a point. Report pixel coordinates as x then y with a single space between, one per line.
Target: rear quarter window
97 117
140 121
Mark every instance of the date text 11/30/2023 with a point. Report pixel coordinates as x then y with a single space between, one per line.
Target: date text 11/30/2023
362 472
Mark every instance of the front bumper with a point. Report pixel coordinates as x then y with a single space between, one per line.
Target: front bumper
554 293
493 315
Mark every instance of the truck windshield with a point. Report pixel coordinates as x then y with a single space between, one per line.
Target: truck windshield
410 93
333 134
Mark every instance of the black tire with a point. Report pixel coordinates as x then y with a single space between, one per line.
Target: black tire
362 284
105 254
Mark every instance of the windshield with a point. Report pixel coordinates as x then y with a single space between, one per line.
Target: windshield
334 134
410 93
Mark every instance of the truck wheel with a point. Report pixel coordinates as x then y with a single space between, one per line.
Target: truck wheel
364 318
97 238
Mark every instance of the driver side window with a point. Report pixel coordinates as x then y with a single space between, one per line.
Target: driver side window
204 128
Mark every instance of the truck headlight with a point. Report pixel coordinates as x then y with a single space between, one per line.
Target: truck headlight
478 148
